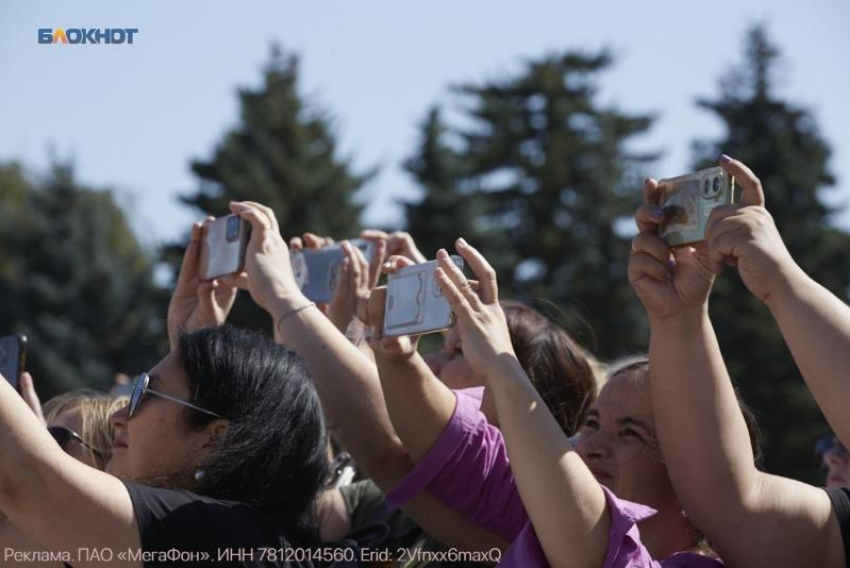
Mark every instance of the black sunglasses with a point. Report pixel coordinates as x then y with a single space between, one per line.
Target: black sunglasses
140 389
63 435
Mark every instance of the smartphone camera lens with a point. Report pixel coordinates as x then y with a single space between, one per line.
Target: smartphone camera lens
717 185
232 228
706 188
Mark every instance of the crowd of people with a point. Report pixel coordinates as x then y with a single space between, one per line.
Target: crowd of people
511 445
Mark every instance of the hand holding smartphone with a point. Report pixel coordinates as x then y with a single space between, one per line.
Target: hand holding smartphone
316 270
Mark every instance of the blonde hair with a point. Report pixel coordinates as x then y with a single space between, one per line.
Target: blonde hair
95 408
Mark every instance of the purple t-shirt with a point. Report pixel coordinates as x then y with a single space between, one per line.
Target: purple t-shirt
468 470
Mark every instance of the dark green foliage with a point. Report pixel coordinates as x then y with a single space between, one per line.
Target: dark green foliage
545 167
74 279
445 211
782 145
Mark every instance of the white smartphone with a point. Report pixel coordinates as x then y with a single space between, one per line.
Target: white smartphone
415 303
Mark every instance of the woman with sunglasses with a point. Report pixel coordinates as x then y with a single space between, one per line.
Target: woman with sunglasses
80 423
221 451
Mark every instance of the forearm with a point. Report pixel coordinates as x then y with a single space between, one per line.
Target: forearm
702 432
564 501
23 440
348 386
816 328
419 405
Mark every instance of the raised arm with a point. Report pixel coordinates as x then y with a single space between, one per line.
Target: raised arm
194 303
813 321
702 432
53 498
566 504
345 378
419 405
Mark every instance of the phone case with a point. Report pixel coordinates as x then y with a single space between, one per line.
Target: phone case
415 303
688 201
223 253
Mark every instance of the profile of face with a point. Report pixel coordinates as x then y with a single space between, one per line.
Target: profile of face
449 365
72 419
618 443
835 459
158 441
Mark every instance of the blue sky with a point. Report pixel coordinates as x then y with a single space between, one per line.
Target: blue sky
132 117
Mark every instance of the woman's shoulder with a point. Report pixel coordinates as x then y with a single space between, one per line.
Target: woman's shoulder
182 520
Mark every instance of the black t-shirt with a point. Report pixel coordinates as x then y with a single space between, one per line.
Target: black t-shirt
227 532
840 498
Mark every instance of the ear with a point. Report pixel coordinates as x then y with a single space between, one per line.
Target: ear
216 431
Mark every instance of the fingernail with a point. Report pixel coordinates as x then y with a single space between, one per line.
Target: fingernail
657 213
724 159
462 242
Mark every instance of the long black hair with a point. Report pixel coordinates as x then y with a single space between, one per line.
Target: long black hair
274 454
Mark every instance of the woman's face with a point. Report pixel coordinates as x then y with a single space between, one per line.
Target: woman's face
618 444
73 420
449 365
157 441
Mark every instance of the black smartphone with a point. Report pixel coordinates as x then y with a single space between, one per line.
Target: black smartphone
13 352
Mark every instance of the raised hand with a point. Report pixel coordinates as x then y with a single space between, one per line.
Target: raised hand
353 282
370 310
268 271
194 303
481 321
745 235
668 282
397 243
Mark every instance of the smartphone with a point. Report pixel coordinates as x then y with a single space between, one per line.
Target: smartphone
13 350
316 270
415 303
688 201
223 246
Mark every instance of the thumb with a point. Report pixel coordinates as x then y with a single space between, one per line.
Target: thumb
27 389
753 193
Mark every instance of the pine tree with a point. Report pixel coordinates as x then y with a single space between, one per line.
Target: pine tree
444 211
781 143
549 165
282 154
76 282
